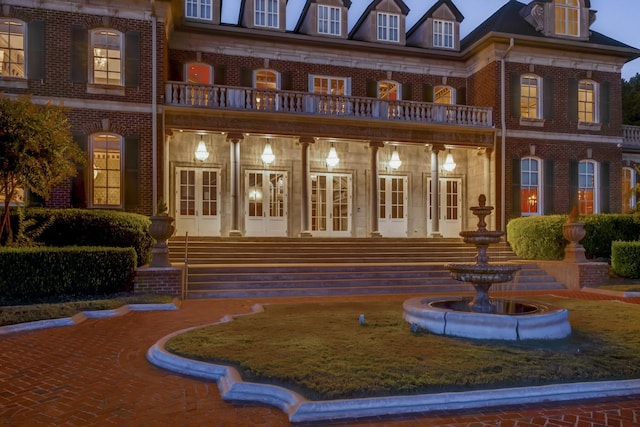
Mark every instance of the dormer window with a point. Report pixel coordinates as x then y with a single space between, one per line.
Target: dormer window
329 20
266 13
388 25
567 17
443 34
198 9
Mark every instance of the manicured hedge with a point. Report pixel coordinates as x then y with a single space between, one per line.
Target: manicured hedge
30 274
625 259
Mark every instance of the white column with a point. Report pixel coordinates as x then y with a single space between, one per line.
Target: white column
235 184
305 209
375 191
435 191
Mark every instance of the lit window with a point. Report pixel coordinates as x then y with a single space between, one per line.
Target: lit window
329 85
443 95
266 81
443 34
587 95
567 17
106 167
106 47
266 12
16 200
530 186
329 20
388 90
199 9
587 180
530 97
628 184
199 73
12 48
388 27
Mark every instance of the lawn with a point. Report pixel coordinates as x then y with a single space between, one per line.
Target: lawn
322 352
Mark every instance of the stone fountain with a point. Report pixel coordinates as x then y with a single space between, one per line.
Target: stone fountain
483 317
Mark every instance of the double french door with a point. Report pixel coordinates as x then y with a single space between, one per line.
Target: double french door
331 204
393 203
197 195
449 209
265 203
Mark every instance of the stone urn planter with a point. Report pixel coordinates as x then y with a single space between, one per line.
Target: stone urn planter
574 231
161 229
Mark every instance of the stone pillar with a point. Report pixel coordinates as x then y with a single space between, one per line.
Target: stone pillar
435 191
305 208
235 139
375 190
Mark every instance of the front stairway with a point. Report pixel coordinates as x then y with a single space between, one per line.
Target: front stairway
279 267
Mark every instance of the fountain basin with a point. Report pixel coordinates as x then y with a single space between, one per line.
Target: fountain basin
485 238
513 321
482 273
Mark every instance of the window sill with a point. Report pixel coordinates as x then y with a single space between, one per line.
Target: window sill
527 121
105 90
589 126
14 83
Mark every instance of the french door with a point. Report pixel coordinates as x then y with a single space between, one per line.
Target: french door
331 204
450 208
392 211
197 196
265 203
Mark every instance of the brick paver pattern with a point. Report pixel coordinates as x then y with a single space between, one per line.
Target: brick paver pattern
96 374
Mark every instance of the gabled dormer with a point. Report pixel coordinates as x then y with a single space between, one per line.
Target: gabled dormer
438 28
263 14
561 18
383 21
324 18
206 11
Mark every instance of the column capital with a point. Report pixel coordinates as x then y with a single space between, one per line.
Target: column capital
235 137
306 140
437 147
377 144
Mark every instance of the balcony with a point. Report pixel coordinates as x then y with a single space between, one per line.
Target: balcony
631 136
218 97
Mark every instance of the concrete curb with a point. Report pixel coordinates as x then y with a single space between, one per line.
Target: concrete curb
298 409
619 294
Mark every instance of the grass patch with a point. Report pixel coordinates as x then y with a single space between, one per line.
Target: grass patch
321 351
14 314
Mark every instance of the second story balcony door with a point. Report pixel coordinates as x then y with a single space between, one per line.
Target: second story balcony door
331 204
265 203
392 211
197 197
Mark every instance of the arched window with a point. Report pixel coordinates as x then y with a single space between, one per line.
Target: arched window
567 17
587 187
106 53
266 79
530 96
588 101
444 95
389 90
106 165
266 83
628 195
12 48
199 73
530 186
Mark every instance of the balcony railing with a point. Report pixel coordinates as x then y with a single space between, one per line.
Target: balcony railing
290 102
631 135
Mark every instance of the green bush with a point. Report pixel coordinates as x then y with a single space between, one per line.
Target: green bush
87 227
30 274
625 259
603 229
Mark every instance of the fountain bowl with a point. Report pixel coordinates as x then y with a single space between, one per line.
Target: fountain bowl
513 320
483 273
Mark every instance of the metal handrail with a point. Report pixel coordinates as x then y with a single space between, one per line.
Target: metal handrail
186 264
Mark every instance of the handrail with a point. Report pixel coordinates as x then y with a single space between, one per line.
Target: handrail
631 134
186 264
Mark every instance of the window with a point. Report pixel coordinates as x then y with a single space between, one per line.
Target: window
388 27
106 164
106 48
329 20
628 195
12 48
266 81
530 105
199 73
567 17
199 9
530 189
443 34
329 85
266 13
443 95
587 93
587 180
16 200
389 90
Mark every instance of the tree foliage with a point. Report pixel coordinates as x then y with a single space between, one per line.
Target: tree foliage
37 152
631 101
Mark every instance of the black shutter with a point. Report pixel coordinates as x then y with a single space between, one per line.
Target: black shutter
549 186
286 80
572 102
605 187
605 102
461 96
372 88
246 77
131 172
78 187
573 184
427 93
176 71
132 59
35 50
220 74
515 188
547 98
79 54
406 91
515 93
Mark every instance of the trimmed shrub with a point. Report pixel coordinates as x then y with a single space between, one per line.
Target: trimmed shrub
603 229
88 227
30 274
625 259
537 237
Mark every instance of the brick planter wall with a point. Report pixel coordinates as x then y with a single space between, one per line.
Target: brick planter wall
164 281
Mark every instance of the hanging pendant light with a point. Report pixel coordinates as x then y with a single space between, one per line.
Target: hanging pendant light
267 155
449 165
395 162
201 151
332 158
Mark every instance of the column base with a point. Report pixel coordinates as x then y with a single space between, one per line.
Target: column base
435 235
235 233
375 234
305 234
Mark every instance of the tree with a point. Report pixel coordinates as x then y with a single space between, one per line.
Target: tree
37 152
631 101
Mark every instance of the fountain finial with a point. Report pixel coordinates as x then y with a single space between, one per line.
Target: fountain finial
482 200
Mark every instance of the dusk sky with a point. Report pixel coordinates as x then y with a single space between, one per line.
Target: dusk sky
616 18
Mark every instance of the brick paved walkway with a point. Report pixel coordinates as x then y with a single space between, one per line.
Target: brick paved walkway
96 373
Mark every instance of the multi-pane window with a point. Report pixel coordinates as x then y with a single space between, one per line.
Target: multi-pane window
388 25
628 194
199 73
106 48
329 85
388 90
567 17
329 20
443 34
587 180
587 93
443 95
529 186
12 48
530 97
266 13
266 81
199 9
106 169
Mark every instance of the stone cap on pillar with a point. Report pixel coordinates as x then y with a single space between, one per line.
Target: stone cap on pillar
235 137
306 140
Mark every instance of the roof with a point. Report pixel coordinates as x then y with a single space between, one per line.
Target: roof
431 11
305 9
403 8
